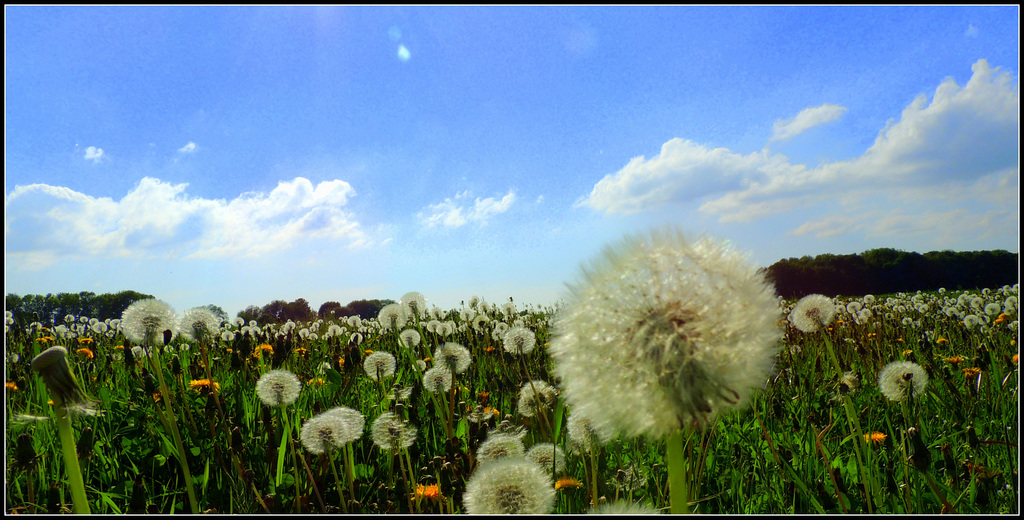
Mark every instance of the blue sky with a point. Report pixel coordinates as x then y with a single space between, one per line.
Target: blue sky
238 155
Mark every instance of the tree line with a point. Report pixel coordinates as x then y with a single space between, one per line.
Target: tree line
876 271
887 270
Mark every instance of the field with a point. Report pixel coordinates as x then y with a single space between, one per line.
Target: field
185 419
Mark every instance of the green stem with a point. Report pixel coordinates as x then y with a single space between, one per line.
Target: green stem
154 362
675 459
67 442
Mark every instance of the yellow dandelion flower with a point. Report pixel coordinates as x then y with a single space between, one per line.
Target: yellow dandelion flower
489 349
426 359
567 482
316 380
871 335
85 340
971 372
259 350
900 340
86 353
941 341
908 352
301 351
229 351
433 491
875 437
1014 358
955 360
44 339
203 384
11 385
367 352
118 347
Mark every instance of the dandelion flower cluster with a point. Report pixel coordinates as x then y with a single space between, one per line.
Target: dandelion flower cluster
278 388
662 333
901 380
510 486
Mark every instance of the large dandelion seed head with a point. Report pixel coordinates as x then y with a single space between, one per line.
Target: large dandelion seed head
453 356
519 340
353 421
584 436
437 379
813 312
379 365
499 446
901 380
278 388
548 456
513 485
148 318
416 303
199 323
662 333
393 316
535 396
410 338
389 432
323 433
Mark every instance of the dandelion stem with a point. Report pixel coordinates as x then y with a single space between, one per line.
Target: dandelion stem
154 362
67 442
675 459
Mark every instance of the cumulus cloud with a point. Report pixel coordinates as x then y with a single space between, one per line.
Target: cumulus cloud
45 223
456 212
961 146
188 148
94 154
806 119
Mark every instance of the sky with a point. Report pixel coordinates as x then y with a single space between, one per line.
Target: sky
239 155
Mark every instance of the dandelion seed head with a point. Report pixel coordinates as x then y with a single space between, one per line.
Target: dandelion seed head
519 340
379 365
352 419
623 508
453 356
662 333
148 318
415 302
278 388
530 393
393 317
410 338
323 433
389 432
584 436
513 485
900 380
437 379
548 456
199 323
813 312
499 446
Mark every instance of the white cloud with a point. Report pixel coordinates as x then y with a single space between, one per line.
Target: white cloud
188 148
403 53
157 218
806 119
94 154
971 32
962 148
453 213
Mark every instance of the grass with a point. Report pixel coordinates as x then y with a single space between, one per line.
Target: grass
798 448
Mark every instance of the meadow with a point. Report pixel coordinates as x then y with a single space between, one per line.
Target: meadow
180 417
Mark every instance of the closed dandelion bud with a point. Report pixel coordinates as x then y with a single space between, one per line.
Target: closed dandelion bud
149 384
919 454
972 437
168 335
53 498
176 367
85 443
236 438
52 367
25 454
